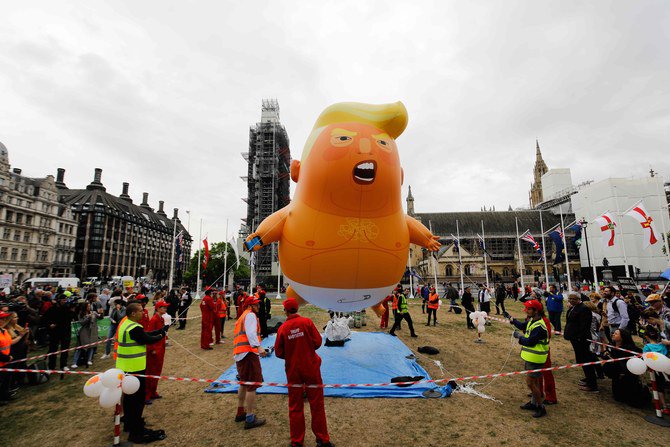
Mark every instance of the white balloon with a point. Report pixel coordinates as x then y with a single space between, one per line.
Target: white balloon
112 378
473 315
130 384
110 397
636 366
167 319
93 386
656 361
481 328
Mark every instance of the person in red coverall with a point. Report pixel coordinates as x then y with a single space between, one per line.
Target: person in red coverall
155 352
385 316
208 309
547 382
143 300
216 320
222 315
297 342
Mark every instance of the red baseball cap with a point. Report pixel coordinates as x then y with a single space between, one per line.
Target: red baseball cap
251 300
139 296
161 303
533 304
4 314
290 304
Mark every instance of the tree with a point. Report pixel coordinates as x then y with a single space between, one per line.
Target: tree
213 275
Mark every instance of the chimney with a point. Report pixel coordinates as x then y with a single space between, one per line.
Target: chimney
60 177
17 171
124 195
145 198
176 214
160 208
96 183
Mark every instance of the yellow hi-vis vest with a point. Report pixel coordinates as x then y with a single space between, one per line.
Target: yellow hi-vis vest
130 356
537 353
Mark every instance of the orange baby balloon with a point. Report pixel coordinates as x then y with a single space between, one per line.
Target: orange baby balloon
344 239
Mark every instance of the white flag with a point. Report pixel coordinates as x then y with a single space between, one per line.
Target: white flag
233 243
607 228
640 214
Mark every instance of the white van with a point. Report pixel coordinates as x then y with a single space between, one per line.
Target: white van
53 282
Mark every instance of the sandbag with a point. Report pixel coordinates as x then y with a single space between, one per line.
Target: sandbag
406 379
428 350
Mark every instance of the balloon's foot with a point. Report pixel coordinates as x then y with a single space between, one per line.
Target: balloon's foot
657 421
123 444
479 340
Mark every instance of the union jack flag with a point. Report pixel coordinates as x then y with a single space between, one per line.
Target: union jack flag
530 239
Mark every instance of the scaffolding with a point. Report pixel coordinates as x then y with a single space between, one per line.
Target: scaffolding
268 173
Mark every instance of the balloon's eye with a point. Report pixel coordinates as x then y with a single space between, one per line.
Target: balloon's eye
383 144
341 140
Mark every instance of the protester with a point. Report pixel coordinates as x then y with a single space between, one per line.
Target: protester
131 357
87 333
617 310
296 343
185 301
452 295
500 294
155 352
58 319
117 314
655 302
468 304
484 299
433 305
555 307
403 313
534 351
246 352
208 311
626 386
578 332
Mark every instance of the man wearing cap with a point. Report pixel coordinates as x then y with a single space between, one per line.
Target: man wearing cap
655 302
131 357
246 350
297 342
155 352
208 310
534 351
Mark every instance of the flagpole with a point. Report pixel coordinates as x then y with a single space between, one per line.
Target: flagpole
664 212
225 260
565 248
486 265
544 253
518 246
623 234
434 256
460 261
411 283
174 236
591 260
198 283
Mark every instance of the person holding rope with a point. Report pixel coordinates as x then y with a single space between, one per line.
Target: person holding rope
534 351
208 310
155 352
297 342
131 357
433 305
246 352
403 313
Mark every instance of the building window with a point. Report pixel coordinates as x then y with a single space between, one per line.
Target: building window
15 254
9 216
5 233
26 236
17 235
19 218
29 220
24 255
43 256
449 271
3 253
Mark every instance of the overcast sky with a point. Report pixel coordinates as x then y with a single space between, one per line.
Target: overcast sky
161 94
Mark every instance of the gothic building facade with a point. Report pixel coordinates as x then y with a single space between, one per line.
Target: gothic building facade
535 196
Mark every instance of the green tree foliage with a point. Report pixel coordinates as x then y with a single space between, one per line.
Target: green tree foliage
214 272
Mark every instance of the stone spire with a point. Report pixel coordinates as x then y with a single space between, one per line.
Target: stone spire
535 194
410 202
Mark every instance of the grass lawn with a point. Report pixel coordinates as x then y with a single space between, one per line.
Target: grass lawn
58 413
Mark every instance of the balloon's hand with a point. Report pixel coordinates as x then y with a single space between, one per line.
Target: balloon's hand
253 242
433 244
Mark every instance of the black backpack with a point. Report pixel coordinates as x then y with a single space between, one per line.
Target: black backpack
633 312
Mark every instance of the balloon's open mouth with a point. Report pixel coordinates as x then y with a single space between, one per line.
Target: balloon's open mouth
364 172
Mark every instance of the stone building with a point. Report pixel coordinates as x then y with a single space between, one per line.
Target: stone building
37 233
535 196
115 237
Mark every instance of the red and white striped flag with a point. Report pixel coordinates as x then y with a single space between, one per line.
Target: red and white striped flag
640 214
607 227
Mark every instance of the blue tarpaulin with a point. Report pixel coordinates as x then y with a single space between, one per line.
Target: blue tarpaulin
666 274
368 357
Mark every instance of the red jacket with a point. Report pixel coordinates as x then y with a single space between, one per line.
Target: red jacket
207 307
145 320
297 342
156 323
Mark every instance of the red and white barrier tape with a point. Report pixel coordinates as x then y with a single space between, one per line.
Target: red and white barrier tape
48 354
332 385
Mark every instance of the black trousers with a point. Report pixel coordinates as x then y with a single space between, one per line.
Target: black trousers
583 354
500 304
5 382
424 302
59 339
485 307
399 317
182 314
395 318
434 313
133 407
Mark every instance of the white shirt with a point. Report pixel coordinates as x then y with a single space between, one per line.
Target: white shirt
250 325
484 296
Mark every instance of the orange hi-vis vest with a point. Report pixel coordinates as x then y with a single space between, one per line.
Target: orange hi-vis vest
394 305
116 336
5 343
241 341
433 301
222 308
